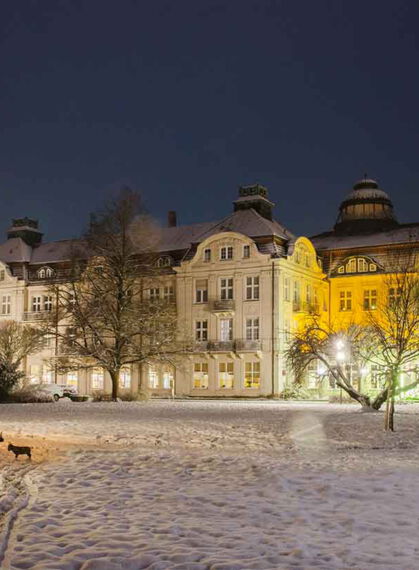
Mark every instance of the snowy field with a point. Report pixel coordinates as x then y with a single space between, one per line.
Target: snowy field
208 486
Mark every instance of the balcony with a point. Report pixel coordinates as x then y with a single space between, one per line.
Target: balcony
36 315
200 346
223 306
221 346
309 308
245 345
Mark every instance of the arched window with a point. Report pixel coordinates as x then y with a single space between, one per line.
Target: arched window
45 273
165 261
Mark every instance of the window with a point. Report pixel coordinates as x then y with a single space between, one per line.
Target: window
373 267
308 294
351 266
287 288
35 373
394 294
168 379
153 378
49 272
165 261
252 375
201 330
296 292
201 291
97 379
48 303
2 274
72 379
362 265
207 255
246 251
226 288
378 376
370 299
252 288
125 377
168 293
307 260
200 375
226 330
47 375
345 301
48 341
226 375
36 304
5 305
41 273
154 293
252 329
226 253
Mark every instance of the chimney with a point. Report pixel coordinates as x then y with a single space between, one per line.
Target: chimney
171 219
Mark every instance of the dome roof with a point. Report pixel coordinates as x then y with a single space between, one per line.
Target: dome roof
365 208
366 189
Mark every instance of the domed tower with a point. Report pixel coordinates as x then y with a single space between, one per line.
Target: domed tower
366 209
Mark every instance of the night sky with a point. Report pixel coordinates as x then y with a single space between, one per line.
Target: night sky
185 100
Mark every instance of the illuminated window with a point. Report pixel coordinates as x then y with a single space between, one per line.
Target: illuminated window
153 379
48 341
345 301
341 269
167 379
394 295
308 294
252 329
252 288
246 251
5 305
201 330
362 265
351 266
36 304
207 255
226 253
41 273
35 373
97 379
201 291
252 375
200 375
72 379
125 377
373 267
226 375
226 330
226 288
47 375
370 299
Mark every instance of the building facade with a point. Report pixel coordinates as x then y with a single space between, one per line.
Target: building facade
241 286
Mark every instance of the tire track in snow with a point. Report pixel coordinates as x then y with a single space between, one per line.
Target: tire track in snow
17 492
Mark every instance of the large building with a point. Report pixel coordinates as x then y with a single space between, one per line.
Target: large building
241 285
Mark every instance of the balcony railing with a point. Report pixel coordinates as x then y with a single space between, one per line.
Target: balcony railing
36 315
245 345
310 308
226 305
200 346
221 346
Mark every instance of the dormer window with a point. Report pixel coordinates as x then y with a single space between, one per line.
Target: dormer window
246 251
226 253
165 261
359 264
207 254
45 273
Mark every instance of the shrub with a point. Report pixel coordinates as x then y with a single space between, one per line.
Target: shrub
295 392
28 395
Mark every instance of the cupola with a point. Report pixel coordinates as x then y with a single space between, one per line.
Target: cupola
26 229
254 196
366 208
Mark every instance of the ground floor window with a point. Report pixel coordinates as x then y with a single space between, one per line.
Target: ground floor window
200 376
125 377
72 379
252 375
97 379
153 378
167 379
226 375
35 373
47 375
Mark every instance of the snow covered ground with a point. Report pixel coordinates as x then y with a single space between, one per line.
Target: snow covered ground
208 485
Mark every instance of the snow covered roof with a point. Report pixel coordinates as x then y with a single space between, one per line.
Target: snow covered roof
404 233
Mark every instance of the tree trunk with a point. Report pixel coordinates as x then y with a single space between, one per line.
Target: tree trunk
114 374
389 415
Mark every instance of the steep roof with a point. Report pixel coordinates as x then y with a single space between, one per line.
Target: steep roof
402 234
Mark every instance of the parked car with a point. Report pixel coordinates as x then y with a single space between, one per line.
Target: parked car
57 391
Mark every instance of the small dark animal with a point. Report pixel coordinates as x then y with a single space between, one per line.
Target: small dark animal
1 436
19 450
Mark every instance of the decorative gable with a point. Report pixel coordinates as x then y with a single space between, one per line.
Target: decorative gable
357 264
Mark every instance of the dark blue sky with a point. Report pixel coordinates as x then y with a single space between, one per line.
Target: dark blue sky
187 99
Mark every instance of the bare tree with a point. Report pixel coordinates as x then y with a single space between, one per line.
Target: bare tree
17 341
388 338
108 313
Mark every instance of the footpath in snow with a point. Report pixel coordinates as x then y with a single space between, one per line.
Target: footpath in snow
208 486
